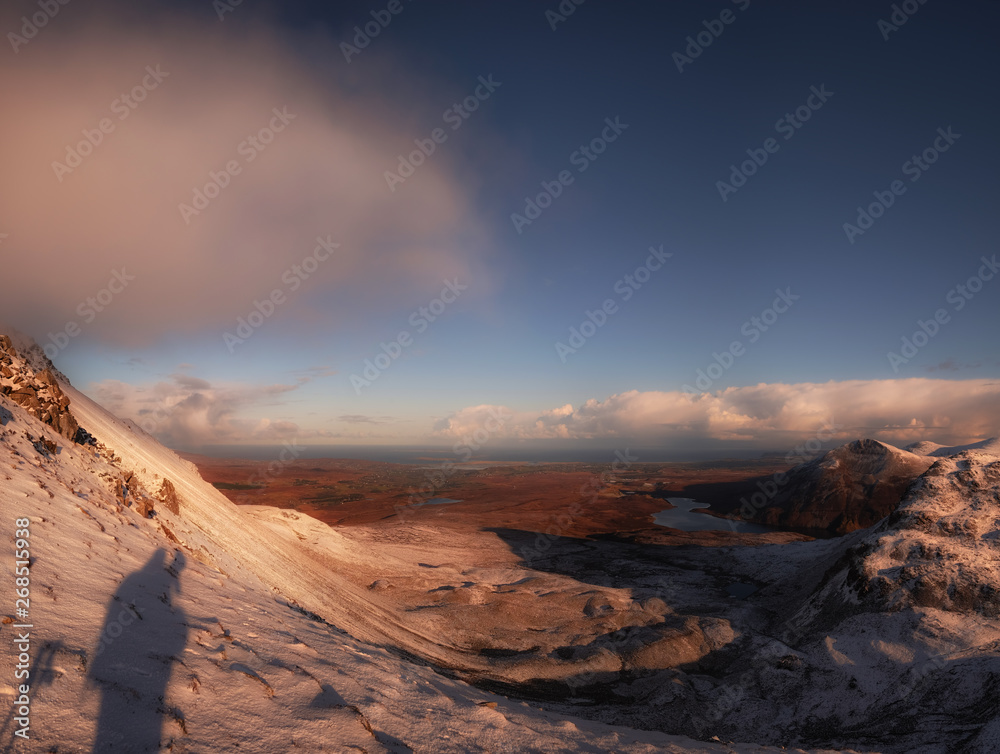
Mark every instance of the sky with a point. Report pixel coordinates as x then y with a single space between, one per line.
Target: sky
685 226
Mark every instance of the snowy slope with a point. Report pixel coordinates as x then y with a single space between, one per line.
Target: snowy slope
928 448
197 627
889 636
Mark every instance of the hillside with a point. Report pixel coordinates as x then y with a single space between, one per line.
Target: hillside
165 618
898 638
845 489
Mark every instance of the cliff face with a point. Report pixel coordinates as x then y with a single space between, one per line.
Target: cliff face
848 488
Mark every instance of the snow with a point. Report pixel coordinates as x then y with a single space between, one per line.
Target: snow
219 629
928 448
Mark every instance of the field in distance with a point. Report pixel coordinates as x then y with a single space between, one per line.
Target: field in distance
529 497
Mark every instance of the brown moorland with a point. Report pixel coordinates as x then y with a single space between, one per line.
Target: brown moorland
564 499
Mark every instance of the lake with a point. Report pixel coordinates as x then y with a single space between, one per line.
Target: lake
686 517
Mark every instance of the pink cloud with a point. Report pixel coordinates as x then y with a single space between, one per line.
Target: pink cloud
898 411
321 175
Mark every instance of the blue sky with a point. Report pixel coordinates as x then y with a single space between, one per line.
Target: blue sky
158 348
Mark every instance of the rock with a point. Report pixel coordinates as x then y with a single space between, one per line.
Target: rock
36 391
43 445
83 437
168 496
27 398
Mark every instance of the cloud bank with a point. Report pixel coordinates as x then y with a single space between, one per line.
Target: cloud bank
157 113
186 411
764 415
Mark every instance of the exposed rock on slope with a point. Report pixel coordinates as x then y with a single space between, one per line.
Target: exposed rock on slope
940 549
848 488
37 392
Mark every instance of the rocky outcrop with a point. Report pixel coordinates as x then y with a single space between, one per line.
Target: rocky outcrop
940 549
37 392
167 495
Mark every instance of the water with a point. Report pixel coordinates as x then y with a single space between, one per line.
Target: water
439 501
687 518
740 590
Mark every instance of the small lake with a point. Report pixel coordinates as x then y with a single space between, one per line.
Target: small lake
439 501
686 517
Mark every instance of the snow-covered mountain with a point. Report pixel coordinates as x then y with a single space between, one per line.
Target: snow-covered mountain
928 448
162 617
847 488
890 636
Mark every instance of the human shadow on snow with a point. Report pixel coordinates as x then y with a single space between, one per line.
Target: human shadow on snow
143 634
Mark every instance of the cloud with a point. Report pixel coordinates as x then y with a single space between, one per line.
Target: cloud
118 211
363 419
764 415
192 383
315 373
950 365
190 412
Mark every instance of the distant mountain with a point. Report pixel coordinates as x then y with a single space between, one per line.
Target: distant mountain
847 488
928 448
